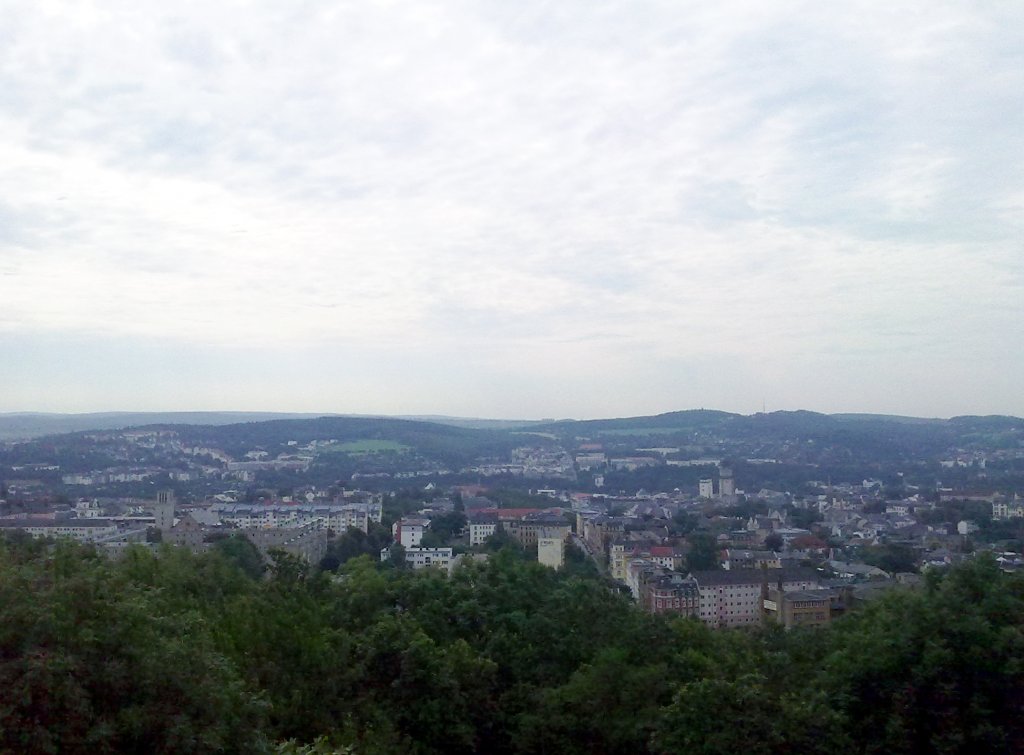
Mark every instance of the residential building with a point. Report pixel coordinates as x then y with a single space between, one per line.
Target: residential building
529 531
551 551
83 530
671 593
420 558
799 608
733 598
748 559
332 516
481 527
409 531
1008 509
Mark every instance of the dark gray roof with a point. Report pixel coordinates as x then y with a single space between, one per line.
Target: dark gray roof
754 576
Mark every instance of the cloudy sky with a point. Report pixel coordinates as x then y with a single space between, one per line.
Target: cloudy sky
512 209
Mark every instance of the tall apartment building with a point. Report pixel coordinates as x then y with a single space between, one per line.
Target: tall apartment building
734 598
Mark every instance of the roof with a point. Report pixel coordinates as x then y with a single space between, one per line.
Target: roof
47 522
663 550
754 576
821 596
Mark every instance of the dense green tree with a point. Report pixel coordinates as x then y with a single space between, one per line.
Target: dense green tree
703 553
890 557
169 652
239 550
937 670
722 717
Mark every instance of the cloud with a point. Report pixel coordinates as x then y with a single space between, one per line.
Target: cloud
521 188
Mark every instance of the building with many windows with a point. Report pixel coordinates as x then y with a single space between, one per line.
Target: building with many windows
82 530
338 517
420 558
734 598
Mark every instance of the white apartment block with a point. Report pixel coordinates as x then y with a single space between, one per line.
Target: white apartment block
336 517
82 530
480 531
734 598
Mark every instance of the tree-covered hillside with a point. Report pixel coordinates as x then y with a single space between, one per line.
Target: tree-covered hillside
176 653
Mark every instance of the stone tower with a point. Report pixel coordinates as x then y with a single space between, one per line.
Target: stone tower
726 484
163 510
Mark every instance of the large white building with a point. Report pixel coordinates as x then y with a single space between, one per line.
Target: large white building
733 598
328 516
83 530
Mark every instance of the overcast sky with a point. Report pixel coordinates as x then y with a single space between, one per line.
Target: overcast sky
512 209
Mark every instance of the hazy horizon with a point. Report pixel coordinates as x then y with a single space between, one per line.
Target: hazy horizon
512 210
429 417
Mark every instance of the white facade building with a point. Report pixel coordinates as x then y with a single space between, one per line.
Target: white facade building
479 531
409 532
420 558
551 551
734 598
336 517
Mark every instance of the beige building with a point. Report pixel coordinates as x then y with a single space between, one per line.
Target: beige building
528 532
799 608
551 551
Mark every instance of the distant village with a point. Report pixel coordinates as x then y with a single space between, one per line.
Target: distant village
725 555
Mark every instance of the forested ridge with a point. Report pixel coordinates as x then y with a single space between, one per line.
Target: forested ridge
171 652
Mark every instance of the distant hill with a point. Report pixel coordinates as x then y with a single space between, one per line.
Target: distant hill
33 425
682 420
26 425
433 439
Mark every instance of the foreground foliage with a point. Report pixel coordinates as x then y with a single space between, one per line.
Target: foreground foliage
170 652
